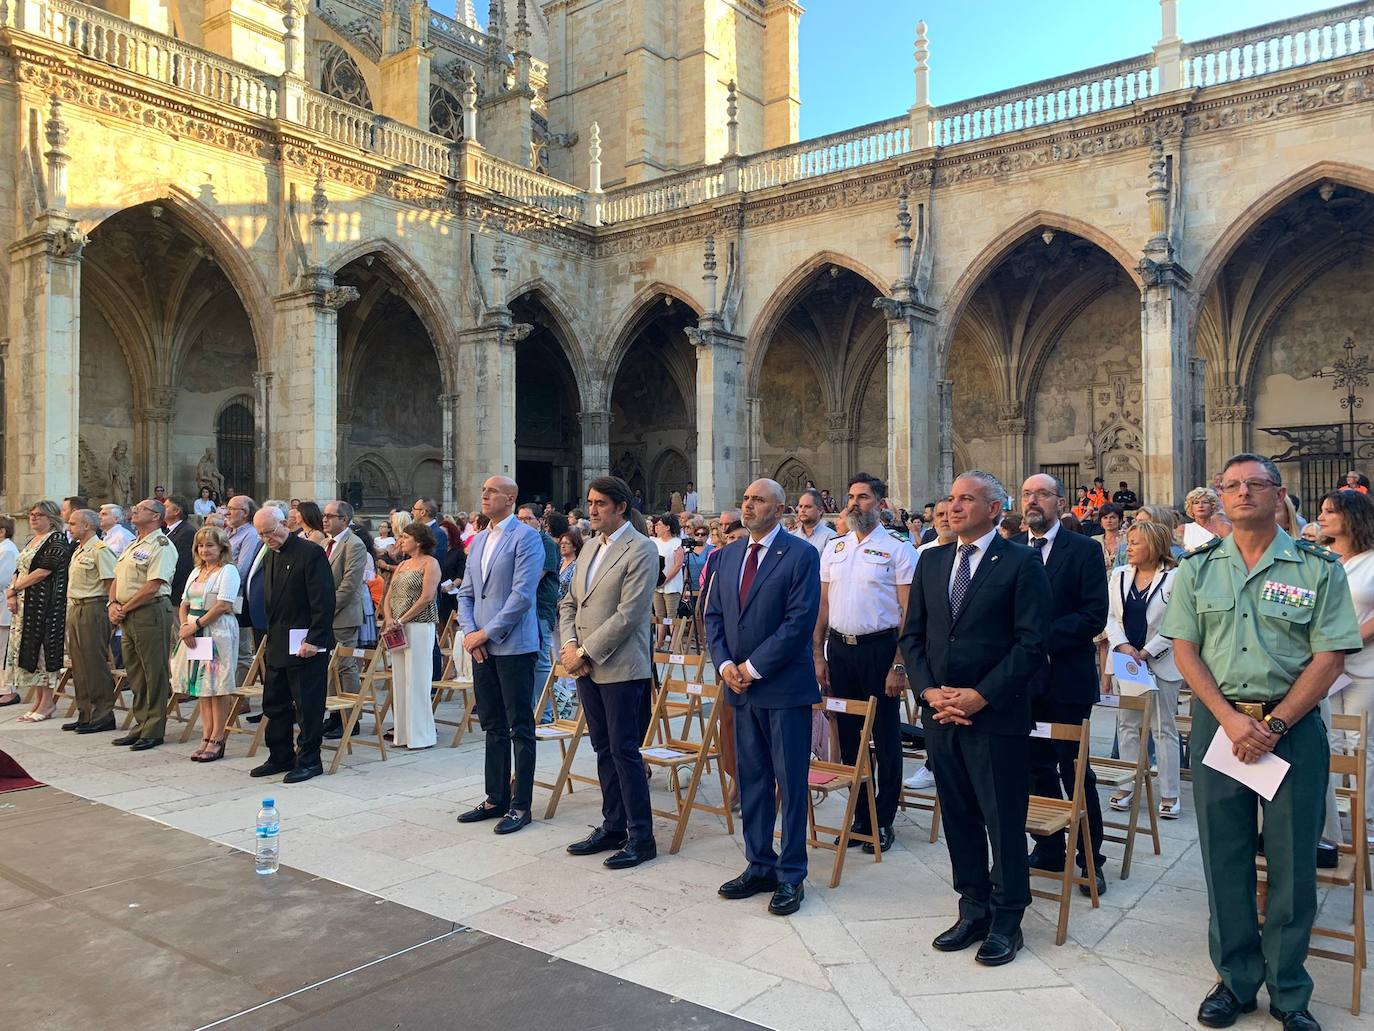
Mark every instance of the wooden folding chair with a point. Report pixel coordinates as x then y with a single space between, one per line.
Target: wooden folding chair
568 733
66 688
675 754
825 777
351 706
1352 866
251 688
1123 774
456 683
910 798
679 668
1047 816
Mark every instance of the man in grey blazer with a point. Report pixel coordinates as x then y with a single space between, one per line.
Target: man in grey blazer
604 627
347 561
496 610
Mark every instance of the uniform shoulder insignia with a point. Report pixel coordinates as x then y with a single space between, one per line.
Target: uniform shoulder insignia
1316 549
1202 549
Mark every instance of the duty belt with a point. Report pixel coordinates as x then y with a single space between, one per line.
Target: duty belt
853 639
1256 710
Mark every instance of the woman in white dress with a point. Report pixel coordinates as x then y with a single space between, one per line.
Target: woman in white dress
207 610
668 540
409 605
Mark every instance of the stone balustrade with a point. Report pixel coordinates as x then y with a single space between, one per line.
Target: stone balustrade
1291 43
526 186
834 153
669 193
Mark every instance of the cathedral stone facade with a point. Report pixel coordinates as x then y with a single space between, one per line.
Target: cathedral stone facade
367 250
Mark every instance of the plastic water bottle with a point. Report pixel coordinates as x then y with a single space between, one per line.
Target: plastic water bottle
269 837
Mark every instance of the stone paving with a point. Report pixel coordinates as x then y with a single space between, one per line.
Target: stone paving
856 957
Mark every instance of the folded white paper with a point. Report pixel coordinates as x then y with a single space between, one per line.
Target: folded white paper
1132 677
1041 730
1263 776
199 649
1110 700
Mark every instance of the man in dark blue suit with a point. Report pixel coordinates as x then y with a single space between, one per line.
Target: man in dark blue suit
1067 689
976 617
759 621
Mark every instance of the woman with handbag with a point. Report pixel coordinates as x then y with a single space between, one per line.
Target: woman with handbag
411 615
1137 597
207 611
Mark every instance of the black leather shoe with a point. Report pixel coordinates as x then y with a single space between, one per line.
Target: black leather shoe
854 829
1221 1007
255 718
485 811
73 725
1328 858
1101 884
1039 862
303 773
268 769
127 739
1295 1020
334 733
887 837
998 949
787 899
961 935
104 726
143 744
747 885
512 822
634 853
599 840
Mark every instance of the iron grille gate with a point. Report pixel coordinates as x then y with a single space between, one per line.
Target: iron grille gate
1323 455
236 444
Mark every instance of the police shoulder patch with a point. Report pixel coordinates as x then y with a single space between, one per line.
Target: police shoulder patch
1202 549
1316 549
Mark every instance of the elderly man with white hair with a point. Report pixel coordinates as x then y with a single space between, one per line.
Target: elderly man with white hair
116 535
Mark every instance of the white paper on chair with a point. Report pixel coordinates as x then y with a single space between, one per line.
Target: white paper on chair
1339 684
1195 536
1263 776
1132 676
661 753
199 649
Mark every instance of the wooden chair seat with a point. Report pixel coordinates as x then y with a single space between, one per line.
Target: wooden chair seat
1044 817
352 706
676 754
1056 815
556 730
568 733
1112 773
454 683
825 777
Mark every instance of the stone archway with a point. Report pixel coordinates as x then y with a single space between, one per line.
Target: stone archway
548 405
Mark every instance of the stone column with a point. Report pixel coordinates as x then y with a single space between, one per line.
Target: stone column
41 385
484 441
262 434
1164 367
913 431
448 408
304 433
946 441
720 386
1014 427
754 420
596 445
153 428
1228 425
839 434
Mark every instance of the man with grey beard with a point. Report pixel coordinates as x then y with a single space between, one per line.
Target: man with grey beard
865 578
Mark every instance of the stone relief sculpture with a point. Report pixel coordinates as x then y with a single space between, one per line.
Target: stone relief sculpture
121 473
208 474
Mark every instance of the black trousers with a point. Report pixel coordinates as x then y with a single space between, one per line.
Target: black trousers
295 695
1052 773
503 685
983 782
614 716
859 671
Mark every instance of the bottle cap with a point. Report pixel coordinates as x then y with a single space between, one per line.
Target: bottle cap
268 803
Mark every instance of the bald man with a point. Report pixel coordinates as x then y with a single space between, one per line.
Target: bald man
497 613
759 621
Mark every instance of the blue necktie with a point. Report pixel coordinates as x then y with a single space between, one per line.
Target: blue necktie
958 594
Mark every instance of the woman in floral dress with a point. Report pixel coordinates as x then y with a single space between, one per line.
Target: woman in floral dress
207 610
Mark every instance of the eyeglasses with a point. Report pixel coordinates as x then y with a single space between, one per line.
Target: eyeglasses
1043 495
332 515
1254 486
700 533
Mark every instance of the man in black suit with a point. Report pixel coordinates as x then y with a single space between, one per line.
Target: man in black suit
299 595
974 637
183 535
1068 688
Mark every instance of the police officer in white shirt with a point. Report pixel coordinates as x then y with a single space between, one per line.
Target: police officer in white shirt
865 579
811 526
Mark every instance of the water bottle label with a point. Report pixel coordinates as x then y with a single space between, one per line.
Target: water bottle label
268 832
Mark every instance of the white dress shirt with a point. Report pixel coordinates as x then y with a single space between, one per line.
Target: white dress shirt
1049 535
817 538
973 560
690 501
767 542
606 542
494 532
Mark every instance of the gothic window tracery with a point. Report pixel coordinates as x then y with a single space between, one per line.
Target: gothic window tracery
445 113
340 76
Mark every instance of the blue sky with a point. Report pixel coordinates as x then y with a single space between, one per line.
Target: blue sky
856 55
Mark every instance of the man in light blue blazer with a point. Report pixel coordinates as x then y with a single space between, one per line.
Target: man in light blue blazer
496 610
759 619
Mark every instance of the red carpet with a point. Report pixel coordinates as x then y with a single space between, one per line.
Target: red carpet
12 775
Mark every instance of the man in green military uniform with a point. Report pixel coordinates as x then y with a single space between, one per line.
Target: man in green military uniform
1261 624
88 624
140 604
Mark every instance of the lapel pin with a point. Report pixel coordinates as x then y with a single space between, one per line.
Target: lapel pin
994 558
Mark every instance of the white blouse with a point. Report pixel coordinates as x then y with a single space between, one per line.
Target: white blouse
1359 572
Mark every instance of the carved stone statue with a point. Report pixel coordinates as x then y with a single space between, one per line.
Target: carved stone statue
121 470
208 474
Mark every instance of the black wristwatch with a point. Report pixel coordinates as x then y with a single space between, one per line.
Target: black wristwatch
1275 725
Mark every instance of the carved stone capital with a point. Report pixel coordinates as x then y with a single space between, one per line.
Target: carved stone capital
336 297
1154 273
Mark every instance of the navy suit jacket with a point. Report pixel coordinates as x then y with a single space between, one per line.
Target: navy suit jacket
1078 583
773 631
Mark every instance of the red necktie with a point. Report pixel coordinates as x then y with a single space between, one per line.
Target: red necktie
329 548
751 566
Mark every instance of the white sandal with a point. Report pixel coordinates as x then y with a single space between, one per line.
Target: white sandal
1121 803
34 716
1171 810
